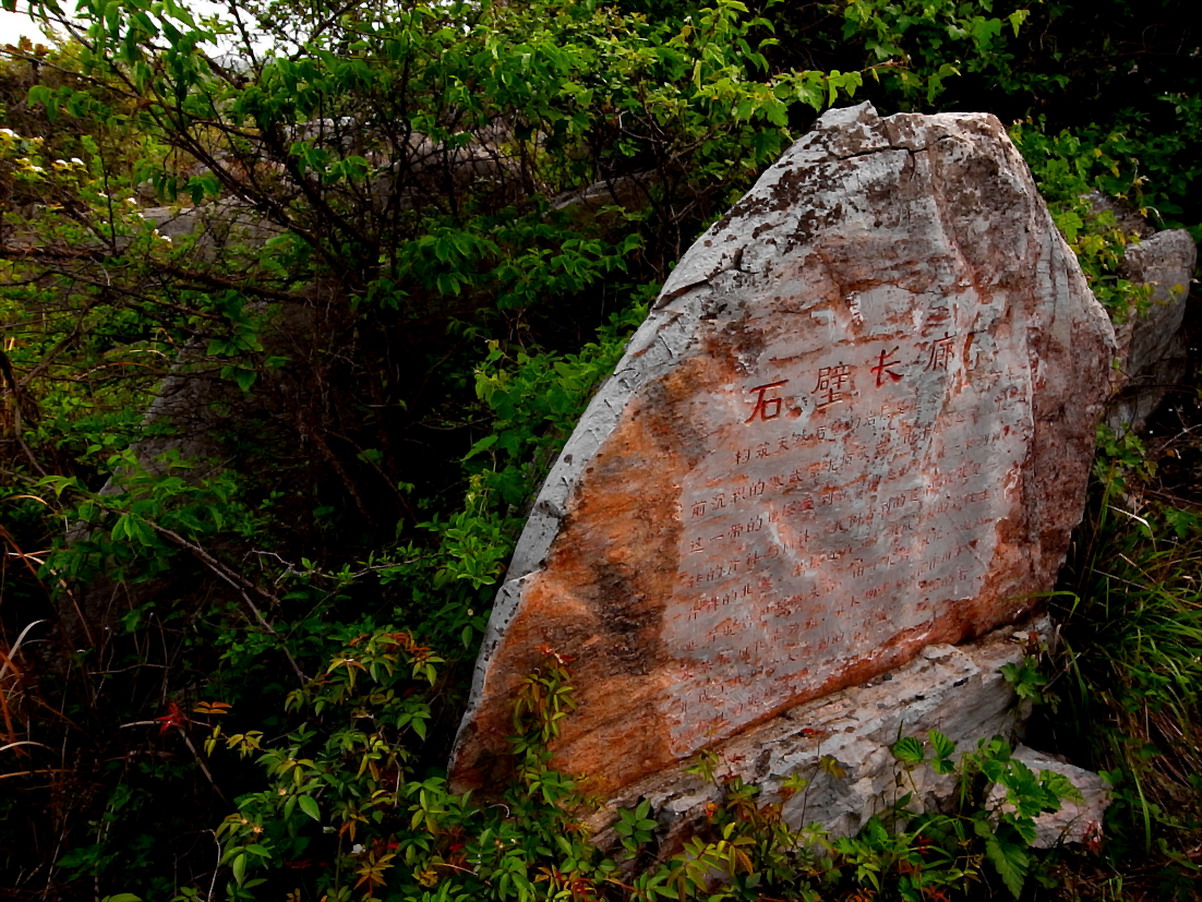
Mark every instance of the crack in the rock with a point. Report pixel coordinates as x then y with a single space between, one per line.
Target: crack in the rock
668 297
886 147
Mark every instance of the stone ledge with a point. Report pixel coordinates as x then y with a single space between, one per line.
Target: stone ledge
958 690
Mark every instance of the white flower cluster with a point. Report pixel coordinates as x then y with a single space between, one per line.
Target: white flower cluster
11 141
8 138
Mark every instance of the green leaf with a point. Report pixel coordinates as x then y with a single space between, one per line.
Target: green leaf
309 806
244 378
908 750
943 746
1060 786
40 94
140 531
1008 858
239 868
483 445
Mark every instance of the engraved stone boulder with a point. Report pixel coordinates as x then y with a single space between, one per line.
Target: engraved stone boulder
856 424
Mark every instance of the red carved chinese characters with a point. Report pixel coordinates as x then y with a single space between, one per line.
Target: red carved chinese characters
766 408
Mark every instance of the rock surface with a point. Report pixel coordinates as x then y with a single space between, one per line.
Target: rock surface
1076 821
856 425
1153 357
958 691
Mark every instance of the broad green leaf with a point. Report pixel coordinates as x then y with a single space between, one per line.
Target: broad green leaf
309 806
239 868
1010 860
1060 786
943 746
908 750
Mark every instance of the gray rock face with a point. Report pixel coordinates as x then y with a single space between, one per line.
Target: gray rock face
856 425
1152 349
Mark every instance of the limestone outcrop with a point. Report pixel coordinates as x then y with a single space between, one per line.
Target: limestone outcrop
855 427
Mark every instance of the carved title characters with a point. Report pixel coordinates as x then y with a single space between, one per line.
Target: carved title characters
833 384
766 408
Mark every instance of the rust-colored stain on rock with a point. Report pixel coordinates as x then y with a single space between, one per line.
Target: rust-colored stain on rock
858 423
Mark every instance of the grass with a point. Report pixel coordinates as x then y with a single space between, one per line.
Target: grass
1125 698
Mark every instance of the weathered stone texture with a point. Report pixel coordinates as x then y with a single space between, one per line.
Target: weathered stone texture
1153 357
856 424
958 691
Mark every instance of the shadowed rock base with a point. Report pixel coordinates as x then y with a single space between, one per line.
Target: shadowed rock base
957 690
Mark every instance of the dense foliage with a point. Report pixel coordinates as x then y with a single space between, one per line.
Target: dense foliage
299 303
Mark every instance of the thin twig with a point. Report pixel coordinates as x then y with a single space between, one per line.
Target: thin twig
238 582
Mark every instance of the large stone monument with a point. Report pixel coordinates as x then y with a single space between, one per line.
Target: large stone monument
857 423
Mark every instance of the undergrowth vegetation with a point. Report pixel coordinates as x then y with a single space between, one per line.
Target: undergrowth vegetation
297 306
1125 692
344 808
